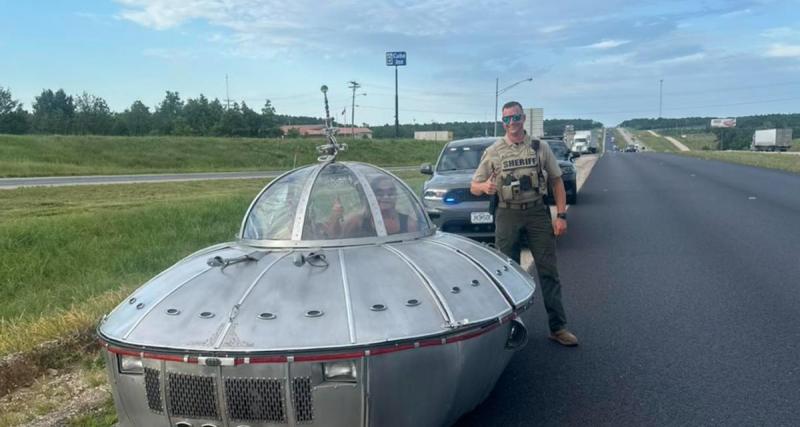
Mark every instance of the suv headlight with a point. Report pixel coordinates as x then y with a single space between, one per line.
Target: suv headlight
434 194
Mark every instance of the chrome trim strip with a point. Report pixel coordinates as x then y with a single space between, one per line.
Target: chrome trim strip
302 204
290 415
351 327
222 399
365 389
244 296
163 297
253 203
444 309
360 241
377 216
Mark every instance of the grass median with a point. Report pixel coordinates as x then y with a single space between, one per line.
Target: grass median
655 143
54 155
784 162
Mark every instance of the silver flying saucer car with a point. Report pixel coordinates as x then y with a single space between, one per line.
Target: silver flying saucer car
339 305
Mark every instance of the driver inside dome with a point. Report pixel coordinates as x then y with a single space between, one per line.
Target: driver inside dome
351 220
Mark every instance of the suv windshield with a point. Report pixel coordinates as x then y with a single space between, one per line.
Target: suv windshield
559 149
465 157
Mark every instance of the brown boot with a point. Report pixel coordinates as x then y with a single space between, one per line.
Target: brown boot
564 337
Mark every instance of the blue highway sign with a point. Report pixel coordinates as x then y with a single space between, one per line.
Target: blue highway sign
395 58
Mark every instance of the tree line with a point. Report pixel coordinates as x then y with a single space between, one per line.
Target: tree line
736 138
56 112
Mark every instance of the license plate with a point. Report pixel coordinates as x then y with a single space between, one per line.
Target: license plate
481 218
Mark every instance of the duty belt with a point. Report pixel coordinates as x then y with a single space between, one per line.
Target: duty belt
520 206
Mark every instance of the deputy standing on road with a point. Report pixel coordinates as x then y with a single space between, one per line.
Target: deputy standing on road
513 169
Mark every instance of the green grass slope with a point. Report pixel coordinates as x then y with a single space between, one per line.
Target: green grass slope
53 155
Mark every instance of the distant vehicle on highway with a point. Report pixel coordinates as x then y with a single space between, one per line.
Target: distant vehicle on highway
446 196
771 140
582 142
630 148
580 147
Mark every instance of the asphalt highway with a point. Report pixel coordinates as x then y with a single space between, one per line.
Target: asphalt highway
682 281
56 181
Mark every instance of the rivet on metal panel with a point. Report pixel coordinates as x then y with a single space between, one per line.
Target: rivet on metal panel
378 307
267 316
412 302
140 306
455 289
505 268
498 272
475 282
206 315
173 311
132 300
314 313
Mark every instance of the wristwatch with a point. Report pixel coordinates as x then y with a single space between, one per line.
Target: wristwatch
562 215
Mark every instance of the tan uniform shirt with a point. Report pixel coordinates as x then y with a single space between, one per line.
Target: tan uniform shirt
507 158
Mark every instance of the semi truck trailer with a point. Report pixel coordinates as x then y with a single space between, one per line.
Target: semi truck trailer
772 140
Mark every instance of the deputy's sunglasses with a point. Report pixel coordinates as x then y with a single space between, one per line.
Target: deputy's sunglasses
513 118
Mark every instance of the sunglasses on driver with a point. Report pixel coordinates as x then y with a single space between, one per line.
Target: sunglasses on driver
512 118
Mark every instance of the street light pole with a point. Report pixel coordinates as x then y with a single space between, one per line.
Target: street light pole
497 93
496 96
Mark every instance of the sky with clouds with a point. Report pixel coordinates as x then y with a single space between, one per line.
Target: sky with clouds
588 59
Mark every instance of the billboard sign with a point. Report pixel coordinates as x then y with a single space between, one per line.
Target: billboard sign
723 123
395 58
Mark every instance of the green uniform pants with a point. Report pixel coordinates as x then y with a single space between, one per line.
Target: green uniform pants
536 223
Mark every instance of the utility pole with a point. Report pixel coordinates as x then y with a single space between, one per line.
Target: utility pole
227 94
660 96
353 85
496 97
396 113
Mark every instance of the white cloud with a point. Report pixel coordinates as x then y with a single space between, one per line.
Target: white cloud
607 44
780 33
552 29
736 13
682 59
781 50
166 14
608 60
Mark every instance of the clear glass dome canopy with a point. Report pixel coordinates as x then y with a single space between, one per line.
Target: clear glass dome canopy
334 203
